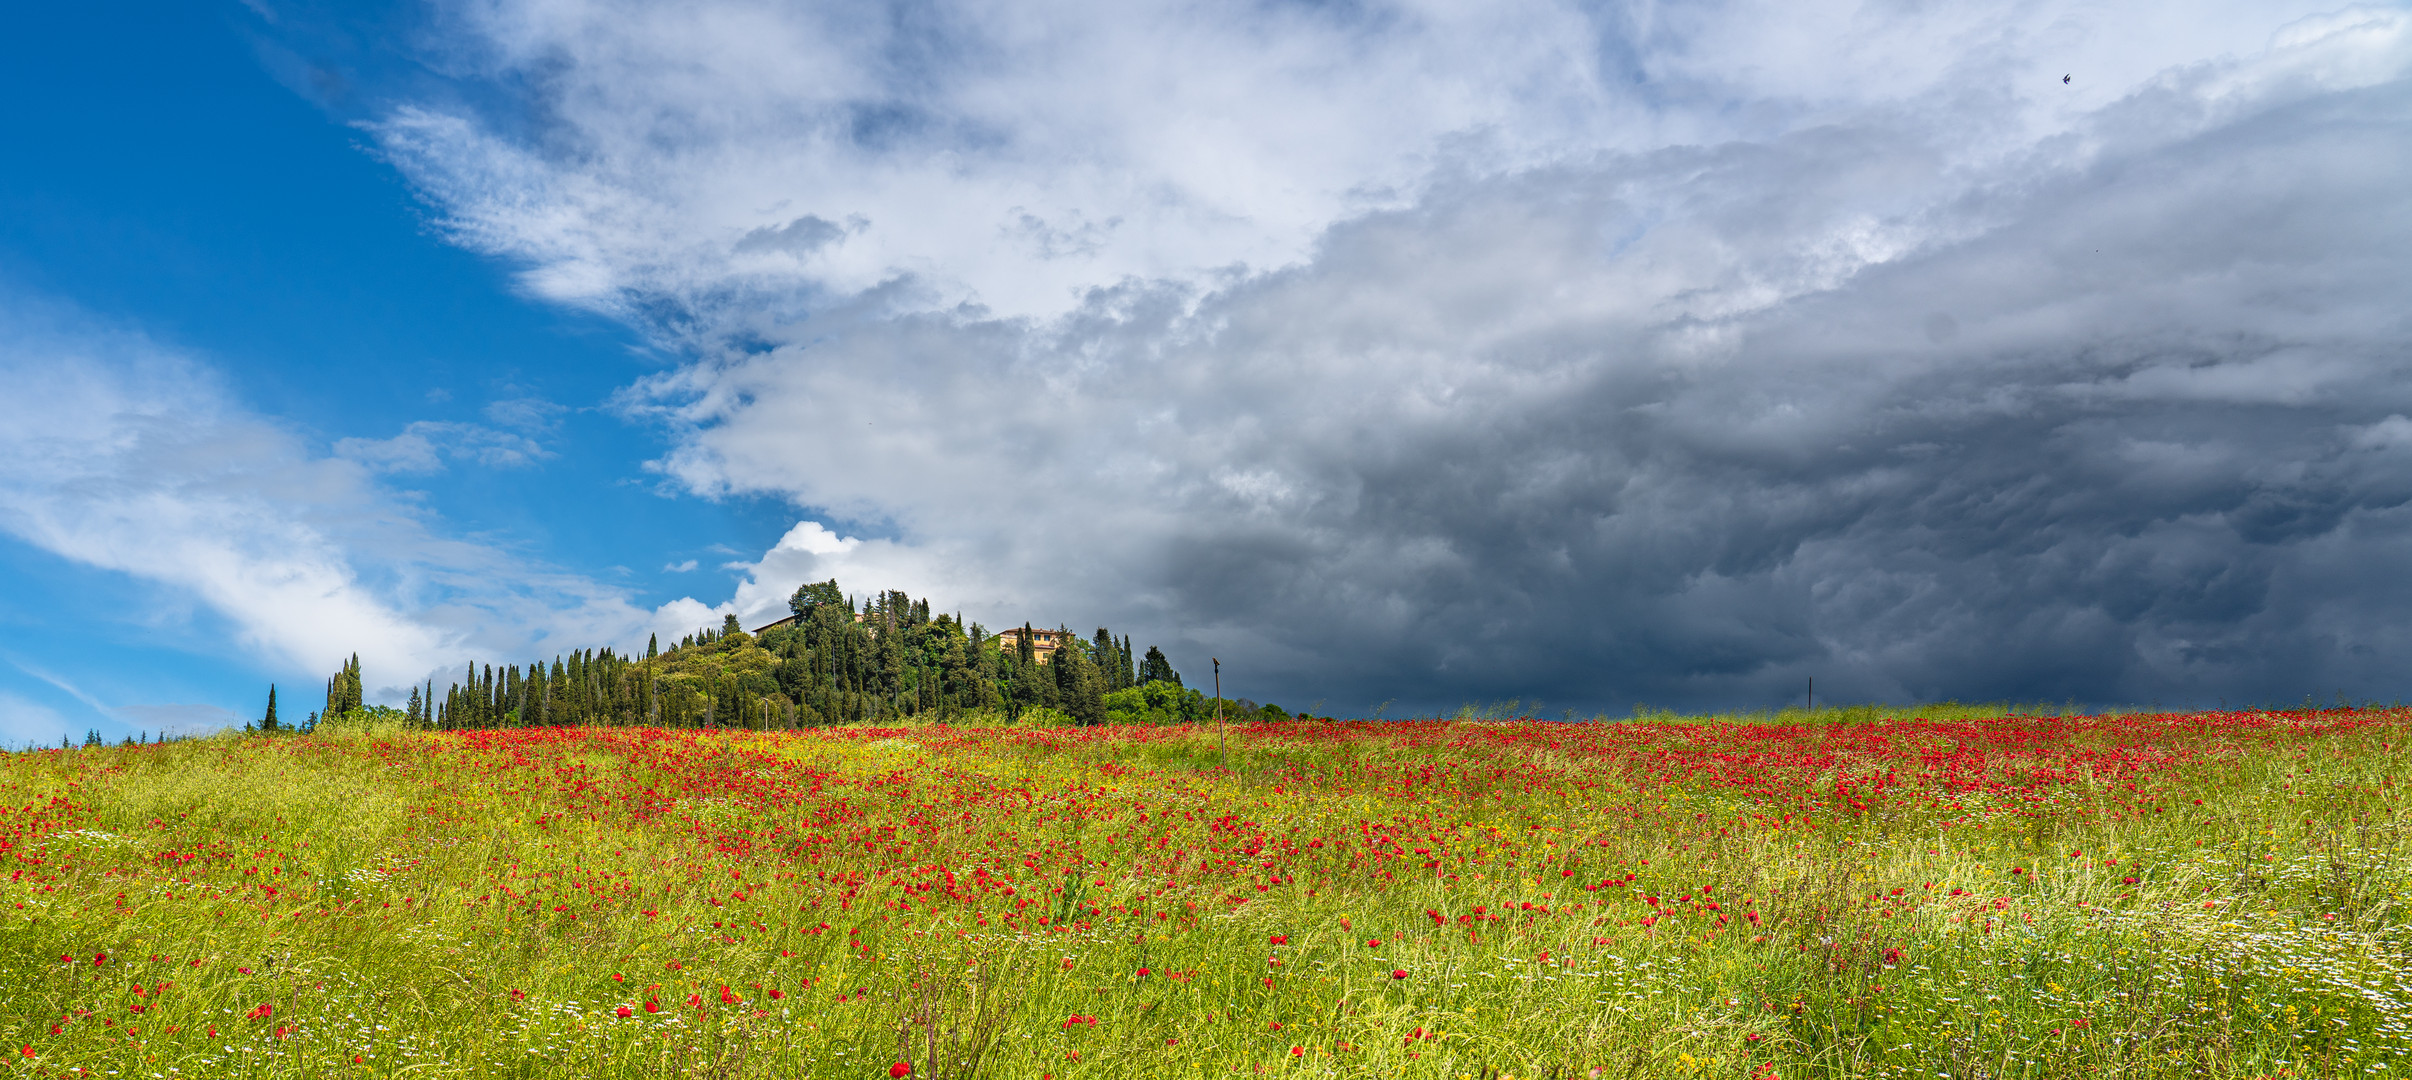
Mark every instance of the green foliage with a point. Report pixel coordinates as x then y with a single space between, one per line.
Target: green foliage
816 594
1157 703
373 719
344 689
1158 669
1079 686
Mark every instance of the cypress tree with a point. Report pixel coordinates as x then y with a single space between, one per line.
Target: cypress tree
344 691
1078 685
268 722
1157 669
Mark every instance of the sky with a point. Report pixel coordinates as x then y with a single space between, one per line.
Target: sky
1400 355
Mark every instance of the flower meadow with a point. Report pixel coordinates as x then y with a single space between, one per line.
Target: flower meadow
2196 894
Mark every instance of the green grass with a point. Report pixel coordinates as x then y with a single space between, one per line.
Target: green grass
482 904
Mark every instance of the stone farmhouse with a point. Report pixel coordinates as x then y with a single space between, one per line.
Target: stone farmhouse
1043 643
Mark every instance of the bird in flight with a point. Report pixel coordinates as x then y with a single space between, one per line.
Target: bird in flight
2064 80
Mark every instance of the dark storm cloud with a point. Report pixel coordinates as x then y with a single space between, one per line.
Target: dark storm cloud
1548 436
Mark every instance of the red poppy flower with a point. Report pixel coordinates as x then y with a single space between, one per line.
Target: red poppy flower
901 1068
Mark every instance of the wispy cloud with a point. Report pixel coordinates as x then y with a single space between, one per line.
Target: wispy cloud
426 445
69 688
129 456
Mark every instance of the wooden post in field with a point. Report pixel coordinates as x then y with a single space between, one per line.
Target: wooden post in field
1222 741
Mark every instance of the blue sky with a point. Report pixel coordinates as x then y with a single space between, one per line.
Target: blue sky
158 179
1588 354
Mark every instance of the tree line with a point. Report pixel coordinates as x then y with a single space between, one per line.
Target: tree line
835 661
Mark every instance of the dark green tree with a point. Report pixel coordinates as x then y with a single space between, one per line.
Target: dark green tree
268 722
1079 686
344 691
1157 669
1108 654
814 595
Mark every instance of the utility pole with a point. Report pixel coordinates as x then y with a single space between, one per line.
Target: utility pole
1222 739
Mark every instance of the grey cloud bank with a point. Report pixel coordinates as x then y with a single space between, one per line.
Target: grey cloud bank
1936 393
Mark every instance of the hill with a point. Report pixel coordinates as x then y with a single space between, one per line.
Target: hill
885 661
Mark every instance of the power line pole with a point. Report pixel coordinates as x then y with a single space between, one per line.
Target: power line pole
1222 740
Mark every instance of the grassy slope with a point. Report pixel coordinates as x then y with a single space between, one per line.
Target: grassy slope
1890 898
